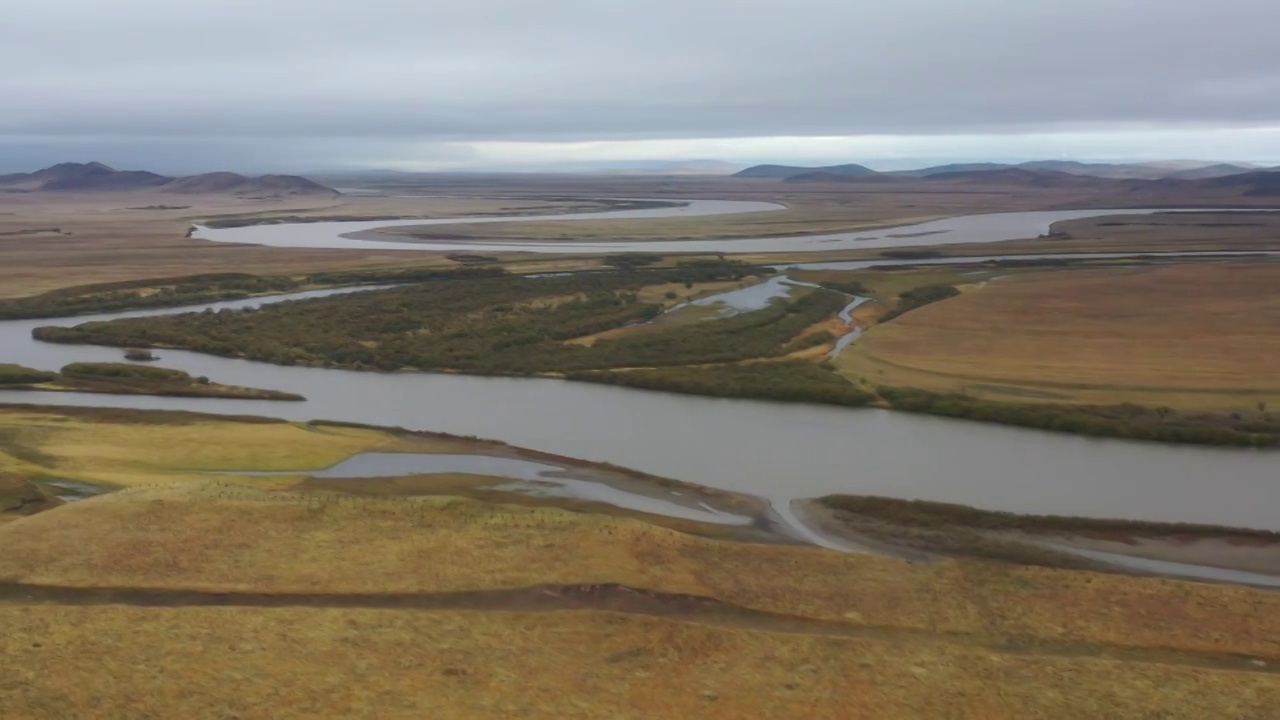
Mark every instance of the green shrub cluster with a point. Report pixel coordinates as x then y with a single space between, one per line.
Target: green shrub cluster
1121 421
18 375
502 324
121 371
144 294
848 287
919 297
789 381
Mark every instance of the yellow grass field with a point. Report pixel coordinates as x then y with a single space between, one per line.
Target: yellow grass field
1197 337
186 596
284 664
123 454
782 631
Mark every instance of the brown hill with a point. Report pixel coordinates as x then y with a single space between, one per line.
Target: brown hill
1019 176
1264 183
87 177
784 172
829 176
236 184
96 177
1210 171
1261 183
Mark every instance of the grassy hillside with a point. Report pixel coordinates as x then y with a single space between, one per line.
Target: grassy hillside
311 596
185 596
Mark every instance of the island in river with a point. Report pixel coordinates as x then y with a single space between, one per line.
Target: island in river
126 379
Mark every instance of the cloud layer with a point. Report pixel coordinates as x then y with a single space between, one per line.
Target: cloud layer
395 74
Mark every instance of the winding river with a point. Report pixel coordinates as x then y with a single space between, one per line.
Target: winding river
778 451
991 227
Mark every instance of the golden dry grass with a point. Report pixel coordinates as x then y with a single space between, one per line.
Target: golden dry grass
899 640
1200 336
117 662
802 632
216 536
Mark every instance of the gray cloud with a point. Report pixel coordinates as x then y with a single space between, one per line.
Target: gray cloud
250 73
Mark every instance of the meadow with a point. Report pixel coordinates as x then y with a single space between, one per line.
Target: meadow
1187 337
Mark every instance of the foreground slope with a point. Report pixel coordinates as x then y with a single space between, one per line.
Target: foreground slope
205 599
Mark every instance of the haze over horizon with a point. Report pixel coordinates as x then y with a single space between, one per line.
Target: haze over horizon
297 86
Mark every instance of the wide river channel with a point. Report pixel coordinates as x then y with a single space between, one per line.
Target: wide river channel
774 450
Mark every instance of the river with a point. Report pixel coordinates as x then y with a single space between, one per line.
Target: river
990 227
775 450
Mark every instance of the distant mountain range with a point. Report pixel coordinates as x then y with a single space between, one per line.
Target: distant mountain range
96 177
1048 171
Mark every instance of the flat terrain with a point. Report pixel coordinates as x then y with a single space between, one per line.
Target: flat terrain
56 240
1194 336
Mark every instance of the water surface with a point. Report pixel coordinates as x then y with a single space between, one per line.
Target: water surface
990 227
774 450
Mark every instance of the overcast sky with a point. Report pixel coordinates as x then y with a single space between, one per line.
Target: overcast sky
307 84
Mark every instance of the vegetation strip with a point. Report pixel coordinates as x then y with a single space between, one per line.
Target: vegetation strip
129 379
1131 422
930 514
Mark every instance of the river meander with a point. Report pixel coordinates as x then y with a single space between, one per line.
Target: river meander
778 451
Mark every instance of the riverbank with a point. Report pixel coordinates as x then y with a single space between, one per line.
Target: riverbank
330 460
930 531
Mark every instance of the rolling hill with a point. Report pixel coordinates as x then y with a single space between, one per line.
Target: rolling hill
1016 176
1040 172
783 172
236 184
97 177
92 176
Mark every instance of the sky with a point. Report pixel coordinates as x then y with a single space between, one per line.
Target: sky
257 85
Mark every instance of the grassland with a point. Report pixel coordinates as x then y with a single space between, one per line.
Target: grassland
120 237
306 602
111 449
20 497
50 241
1190 337
712 628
